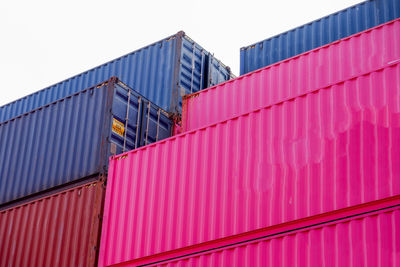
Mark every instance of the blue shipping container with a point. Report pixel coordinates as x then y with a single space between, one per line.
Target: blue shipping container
72 138
162 72
328 29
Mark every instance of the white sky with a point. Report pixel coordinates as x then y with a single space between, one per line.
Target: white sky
44 42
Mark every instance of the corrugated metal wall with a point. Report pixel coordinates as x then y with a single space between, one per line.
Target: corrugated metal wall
333 148
317 33
58 230
368 240
54 145
321 67
154 71
72 138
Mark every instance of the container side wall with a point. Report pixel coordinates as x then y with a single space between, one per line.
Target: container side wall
53 145
70 139
58 230
148 70
334 148
317 33
321 67
370 240
153 71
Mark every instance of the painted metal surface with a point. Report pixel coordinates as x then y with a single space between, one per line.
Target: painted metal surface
323 218
328 29
321 67
329 149
367 240
58 230
162 72
72 138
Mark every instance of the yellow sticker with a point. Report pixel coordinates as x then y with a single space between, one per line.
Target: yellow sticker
118 127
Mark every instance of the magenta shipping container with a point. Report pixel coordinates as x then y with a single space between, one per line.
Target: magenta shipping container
333 148
367 240
321 67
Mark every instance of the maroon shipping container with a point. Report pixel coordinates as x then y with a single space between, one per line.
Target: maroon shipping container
331 64
367 239
333 148
57 230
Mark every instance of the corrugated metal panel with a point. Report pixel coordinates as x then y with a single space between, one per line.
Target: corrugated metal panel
156 71
321 67
261 233
367 240
58 230
72 138
329 149
317 33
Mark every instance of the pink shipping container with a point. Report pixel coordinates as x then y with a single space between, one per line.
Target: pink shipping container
61 229
371 239
318 68
333 148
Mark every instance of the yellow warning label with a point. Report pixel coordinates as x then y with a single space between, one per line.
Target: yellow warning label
118 127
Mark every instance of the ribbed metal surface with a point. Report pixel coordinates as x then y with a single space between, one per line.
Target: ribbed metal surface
72 138
330 149
161 72
317 33
321 67
58 230
369 240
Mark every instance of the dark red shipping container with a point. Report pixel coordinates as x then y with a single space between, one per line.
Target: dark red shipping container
61 229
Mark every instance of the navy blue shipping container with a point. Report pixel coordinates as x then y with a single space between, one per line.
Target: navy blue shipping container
72 138
328 29
162 72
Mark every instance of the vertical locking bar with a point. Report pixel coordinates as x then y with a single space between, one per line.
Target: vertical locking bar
148 118
137 121
201 85
193 61
158 123
126 119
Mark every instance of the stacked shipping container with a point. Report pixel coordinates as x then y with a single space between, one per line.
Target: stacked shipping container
334 63
297 163
72 138
325 30
332 148
55 144
61 229
363 235
162 72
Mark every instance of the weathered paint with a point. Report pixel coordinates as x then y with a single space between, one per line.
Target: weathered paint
61 229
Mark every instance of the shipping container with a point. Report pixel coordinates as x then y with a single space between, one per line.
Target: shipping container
72 138
61 229
339 61
162 72
329 149
325 30
371 239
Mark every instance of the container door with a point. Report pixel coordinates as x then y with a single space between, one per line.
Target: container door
156 125
125 133
217 72
193 69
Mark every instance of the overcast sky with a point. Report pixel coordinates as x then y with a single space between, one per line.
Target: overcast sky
44 42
